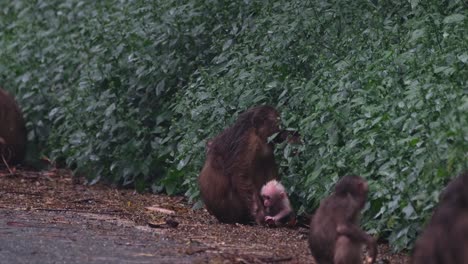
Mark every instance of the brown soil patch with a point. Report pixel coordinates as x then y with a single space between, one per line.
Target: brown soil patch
56 190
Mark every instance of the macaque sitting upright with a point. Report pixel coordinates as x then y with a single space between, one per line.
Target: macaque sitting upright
278 209
335 235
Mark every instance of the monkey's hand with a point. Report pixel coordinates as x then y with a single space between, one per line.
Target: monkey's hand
356 233
270 221
372 250
259 217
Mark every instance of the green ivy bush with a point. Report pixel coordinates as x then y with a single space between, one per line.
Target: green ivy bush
130 91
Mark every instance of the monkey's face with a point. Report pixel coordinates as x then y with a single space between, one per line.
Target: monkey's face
271 198
266 123
270 127
363 190
267 201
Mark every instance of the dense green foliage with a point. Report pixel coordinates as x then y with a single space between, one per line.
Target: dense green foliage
129 91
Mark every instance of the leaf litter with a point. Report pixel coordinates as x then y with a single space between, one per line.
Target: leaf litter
201 233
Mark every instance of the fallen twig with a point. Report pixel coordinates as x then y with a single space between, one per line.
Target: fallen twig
160 210
167 223
6 164
276 260
86 200
109 212
191 251
23 193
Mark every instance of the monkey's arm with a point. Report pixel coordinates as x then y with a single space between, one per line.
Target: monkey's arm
257 209
357 234
286 211
289 136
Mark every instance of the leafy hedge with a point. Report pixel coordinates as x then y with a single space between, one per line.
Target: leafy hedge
129 91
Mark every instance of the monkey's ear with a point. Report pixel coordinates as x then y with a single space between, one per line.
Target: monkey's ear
257 120
282 195
364 186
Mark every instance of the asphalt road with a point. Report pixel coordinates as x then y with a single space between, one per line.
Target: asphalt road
71 237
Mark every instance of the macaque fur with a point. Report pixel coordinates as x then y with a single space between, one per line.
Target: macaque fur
335 236
278 209
239 161
208 145
445 238
12 130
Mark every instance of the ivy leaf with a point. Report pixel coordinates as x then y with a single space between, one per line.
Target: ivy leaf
463 58
414 3
183 163
446 70
417 34
110 110
408 211
455 18
227 44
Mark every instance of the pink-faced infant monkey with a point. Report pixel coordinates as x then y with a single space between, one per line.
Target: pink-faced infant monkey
278 209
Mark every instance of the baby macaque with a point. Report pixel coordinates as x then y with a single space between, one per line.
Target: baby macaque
278 209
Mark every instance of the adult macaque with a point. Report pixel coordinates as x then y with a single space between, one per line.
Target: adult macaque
445 238
278 209
335 236
12 131
239 162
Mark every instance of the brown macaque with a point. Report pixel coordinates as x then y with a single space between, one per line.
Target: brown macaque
278 209
335 236
239 162
12 131
445 238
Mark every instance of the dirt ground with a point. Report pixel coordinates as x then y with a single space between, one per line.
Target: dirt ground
198 237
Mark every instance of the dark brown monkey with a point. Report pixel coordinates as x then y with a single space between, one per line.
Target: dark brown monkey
12 130
335 236
278 209
239 162
445 238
